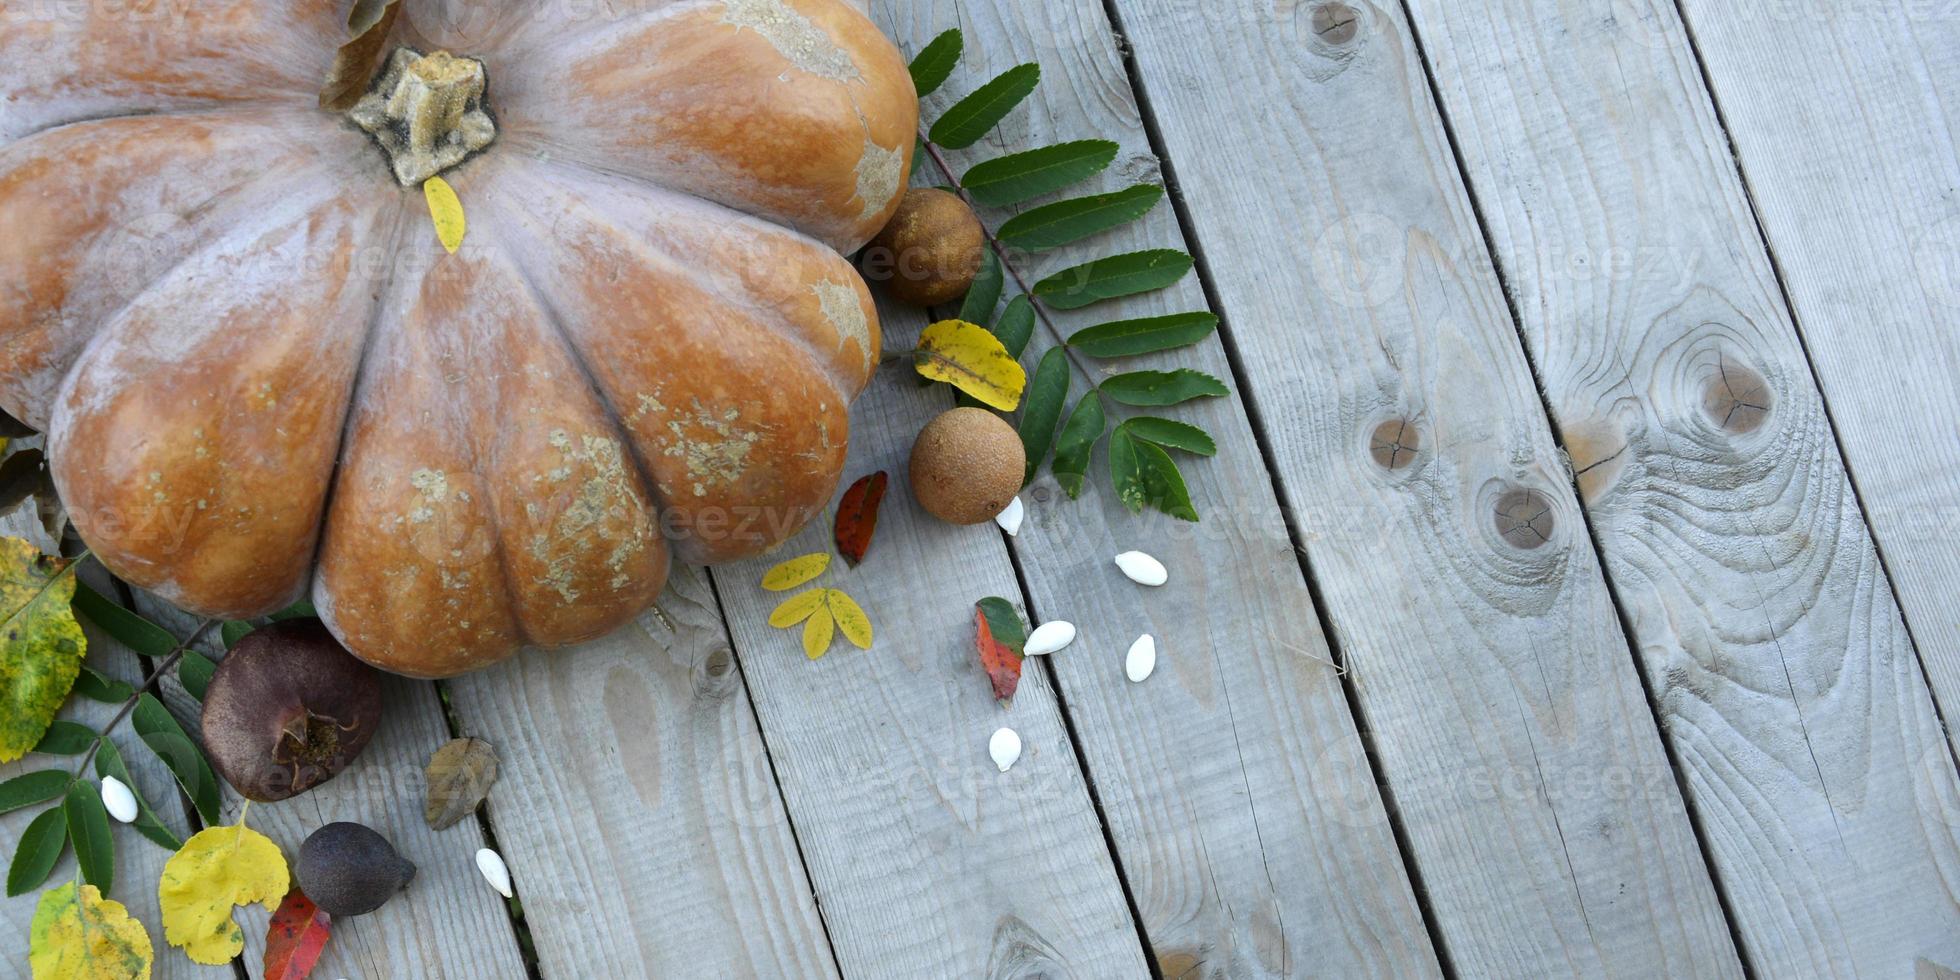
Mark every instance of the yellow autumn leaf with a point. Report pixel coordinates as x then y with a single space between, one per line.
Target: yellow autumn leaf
851 620
218 868
796 571
817 631
969 357
446 210
796 609
41 654
79 935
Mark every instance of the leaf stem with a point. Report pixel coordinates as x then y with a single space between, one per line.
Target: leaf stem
129 705
1000 252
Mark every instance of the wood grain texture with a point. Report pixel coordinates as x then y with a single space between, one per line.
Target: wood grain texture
1234 783
1848 135
1771 639
447 922
636 804
139 861
924 857
1512 728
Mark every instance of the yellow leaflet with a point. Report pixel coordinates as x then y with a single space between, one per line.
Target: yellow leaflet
969 357
79 935
817 631
216 869
446 210
851 620
41 653
796 571
796 609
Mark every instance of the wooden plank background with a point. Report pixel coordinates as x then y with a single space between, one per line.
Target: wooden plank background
1771 640
1664 707
1849 139
1491 667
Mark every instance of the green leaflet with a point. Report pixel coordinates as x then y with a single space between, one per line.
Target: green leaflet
1145 475
97 686
1004 623
298 610
88 828
39 848
1078 439
1047 393
1159 388
65 738
233 630
1016 325
194 672
1128 338
936 62
41 645
109 762
30 788
1066 222
1110 278
1025 176
1172 434
970 118
127 628
984 294
162 734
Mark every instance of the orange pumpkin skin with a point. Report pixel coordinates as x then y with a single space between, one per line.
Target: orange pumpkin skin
262 377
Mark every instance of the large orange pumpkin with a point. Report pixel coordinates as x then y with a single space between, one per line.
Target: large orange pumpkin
261 373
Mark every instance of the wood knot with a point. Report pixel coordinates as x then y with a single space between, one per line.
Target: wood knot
1736 397
1395 443
1336 23
720 659
1525 519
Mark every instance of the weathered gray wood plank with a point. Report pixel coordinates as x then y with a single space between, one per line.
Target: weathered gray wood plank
1848 134
925 859
1512 727
1770 636
448 922
1235 785
139 861
637 807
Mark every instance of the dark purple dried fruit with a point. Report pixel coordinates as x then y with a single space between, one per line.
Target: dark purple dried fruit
287 709
348 869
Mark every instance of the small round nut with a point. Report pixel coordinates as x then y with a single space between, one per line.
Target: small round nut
930 251
966 465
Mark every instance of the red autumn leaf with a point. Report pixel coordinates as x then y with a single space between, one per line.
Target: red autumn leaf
1002 663
296 938
857 516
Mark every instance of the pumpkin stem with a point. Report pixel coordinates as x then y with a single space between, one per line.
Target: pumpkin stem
427 113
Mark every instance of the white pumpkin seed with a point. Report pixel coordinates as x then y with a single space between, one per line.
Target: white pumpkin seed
1142 569
1142 659
118 800
1005 747
1048 638
494 870
1010 519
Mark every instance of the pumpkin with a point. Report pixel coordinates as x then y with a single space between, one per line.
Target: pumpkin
264 378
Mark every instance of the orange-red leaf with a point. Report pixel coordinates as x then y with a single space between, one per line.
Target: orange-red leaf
857 516
296 938
1003 665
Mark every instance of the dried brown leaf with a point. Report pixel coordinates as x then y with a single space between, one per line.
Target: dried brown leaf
353 65
460 775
